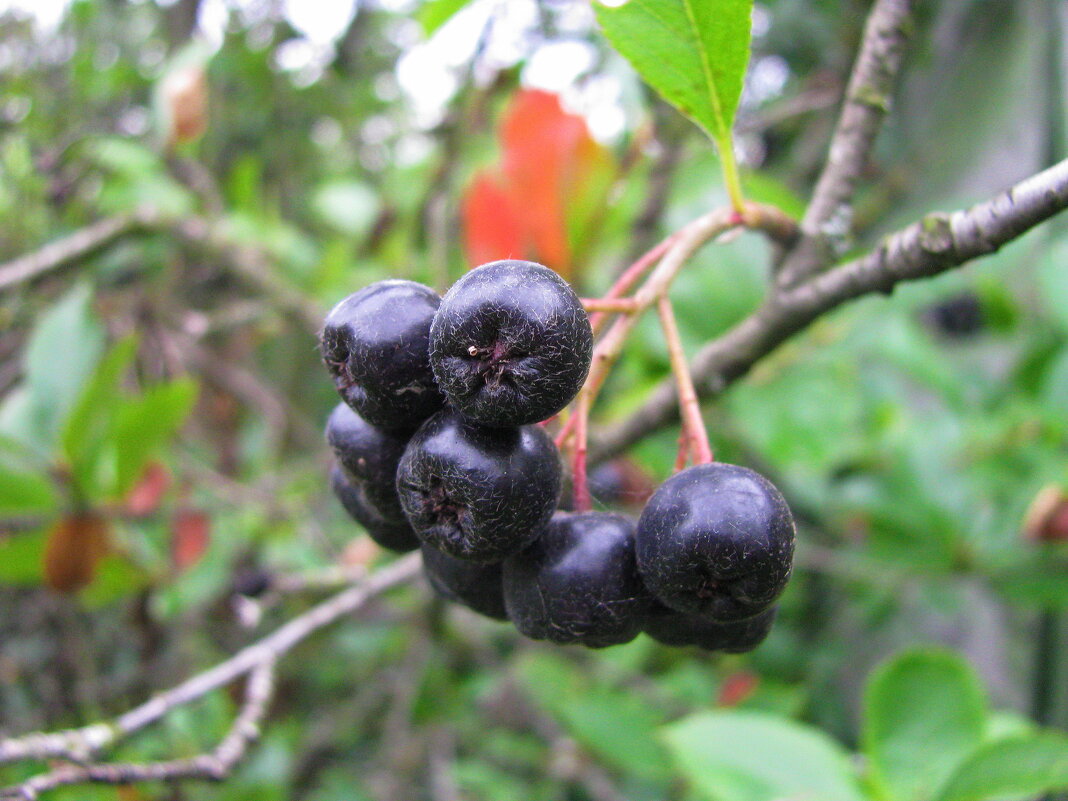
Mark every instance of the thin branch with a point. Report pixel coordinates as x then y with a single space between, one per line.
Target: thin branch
71 248
253 265
213 766
80 745
933 245
828 219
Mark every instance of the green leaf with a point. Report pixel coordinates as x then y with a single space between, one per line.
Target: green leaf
24 492
616 726
924 713
61 354
144 424
437 12
115 579
1024 766
123 156
694 53
752 756
22 557
93 415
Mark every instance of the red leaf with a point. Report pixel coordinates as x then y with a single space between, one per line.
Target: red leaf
548 159
145 497
75 545
539 141
190 537
492 229
737 687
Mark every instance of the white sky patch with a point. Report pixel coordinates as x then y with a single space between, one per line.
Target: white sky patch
429 72
761 20
295 54
211 19
426 73
600 101
558 65
320 21
766 79
47 14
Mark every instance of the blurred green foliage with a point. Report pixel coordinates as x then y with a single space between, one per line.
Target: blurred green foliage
911 433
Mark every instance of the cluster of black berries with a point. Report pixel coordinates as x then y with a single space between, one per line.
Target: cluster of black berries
437 449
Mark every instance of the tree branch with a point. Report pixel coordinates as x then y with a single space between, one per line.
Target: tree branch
213 766
82 744
926 248
828 219
71 248
252 265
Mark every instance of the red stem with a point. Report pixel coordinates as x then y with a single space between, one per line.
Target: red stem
629 277
580 485
693 425
684 450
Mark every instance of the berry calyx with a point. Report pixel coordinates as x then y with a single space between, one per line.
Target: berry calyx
511 344
478 493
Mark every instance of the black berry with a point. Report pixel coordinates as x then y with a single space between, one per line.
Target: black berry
620 482
374 343
680 628
478 493
369 456
252 582
510 344
478 587
578 582
958 317
716 540
387 533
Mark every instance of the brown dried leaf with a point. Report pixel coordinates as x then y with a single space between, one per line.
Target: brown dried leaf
75 545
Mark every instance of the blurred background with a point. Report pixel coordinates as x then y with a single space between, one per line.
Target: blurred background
218 173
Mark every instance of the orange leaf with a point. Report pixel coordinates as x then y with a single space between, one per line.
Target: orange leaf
190 537
75 545
145 497
492 229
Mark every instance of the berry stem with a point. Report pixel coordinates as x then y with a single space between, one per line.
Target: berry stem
607 305
580 485
693 425
629 277
682 246
564 434
672 254
684 451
